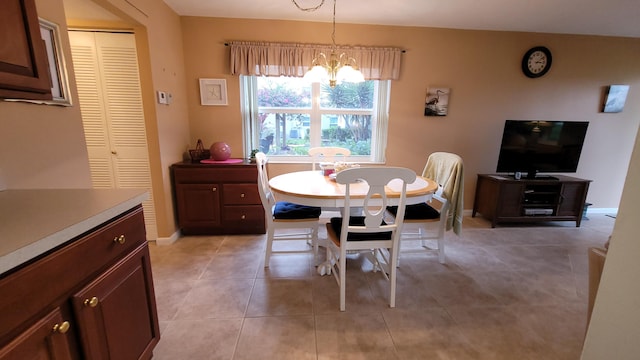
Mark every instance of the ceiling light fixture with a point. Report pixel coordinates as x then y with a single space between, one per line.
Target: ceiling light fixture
337 67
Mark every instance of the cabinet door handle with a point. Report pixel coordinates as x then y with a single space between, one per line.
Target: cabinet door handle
242 195
61 328
93 302
243 217
119 239
214 189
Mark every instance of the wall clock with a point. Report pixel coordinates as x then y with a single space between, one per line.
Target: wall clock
536 62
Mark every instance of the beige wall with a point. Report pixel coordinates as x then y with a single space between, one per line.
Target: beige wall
42 146
482 68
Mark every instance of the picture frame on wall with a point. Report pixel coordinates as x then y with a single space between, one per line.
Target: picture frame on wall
437 102
615 98
213 92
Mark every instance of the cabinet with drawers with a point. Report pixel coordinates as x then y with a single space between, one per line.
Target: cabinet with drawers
91 298
214 199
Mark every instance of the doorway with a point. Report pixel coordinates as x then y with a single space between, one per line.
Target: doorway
108 82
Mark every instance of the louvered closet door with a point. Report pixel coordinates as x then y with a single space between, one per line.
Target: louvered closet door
106 68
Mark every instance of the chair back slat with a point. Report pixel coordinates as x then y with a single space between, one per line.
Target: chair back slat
266 196
327 154
376 200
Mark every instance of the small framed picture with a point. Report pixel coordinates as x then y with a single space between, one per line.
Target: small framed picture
437 102
615 98
213 92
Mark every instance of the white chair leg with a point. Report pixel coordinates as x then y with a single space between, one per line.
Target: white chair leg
314 239
393 268
267 253
441 256
343 280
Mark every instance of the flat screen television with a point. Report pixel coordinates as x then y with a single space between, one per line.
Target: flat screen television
538 146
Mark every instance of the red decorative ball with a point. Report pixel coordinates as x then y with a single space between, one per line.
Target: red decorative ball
220 151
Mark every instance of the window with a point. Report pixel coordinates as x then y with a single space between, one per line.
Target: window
285 116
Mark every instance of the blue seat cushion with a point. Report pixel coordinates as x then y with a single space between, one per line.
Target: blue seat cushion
290 211
336 225
422 211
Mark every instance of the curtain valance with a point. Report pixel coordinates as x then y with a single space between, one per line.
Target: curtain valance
293 59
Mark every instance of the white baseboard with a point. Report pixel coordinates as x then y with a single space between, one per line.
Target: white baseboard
164 241
590 210
602 211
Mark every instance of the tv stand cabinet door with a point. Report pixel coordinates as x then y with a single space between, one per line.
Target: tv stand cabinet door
497 199
510 200
572 199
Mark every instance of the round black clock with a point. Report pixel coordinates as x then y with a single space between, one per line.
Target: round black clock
536 62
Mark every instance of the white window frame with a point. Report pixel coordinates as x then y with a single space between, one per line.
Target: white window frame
380 119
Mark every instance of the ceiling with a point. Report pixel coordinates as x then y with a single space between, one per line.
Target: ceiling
590 17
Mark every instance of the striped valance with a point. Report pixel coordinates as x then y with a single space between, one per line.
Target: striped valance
292 59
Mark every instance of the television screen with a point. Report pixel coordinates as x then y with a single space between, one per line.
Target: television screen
541 146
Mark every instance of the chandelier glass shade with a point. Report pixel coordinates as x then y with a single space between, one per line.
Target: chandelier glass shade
336 67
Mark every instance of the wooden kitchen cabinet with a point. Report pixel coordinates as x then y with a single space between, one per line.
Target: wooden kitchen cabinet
45 339
91 298
503 199
216 199
24 72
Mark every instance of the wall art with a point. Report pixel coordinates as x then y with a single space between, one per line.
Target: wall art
213 92
615 98
437 102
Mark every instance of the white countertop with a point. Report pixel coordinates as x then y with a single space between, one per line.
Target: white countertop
33 222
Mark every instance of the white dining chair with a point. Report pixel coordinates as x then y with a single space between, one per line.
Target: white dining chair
443 211
327 154
282 215
368 233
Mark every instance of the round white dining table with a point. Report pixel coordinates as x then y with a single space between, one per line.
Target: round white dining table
312 188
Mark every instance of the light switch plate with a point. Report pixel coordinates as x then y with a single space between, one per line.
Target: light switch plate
162 97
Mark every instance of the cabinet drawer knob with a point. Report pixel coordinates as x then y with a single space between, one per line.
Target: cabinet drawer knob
61 328
242 195
93 302
243 217
214 189
119 239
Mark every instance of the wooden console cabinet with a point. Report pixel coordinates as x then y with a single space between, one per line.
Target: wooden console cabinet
503 199
90 298
216 199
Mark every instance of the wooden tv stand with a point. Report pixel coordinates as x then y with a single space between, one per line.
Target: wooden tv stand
503 199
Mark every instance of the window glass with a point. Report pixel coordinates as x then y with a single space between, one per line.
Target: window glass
291 115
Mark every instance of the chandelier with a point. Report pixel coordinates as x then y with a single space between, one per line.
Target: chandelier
336 67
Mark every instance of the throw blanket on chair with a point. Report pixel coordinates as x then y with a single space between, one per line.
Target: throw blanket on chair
447 170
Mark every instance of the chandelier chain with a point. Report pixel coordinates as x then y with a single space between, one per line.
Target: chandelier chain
335 67
314 8
309 9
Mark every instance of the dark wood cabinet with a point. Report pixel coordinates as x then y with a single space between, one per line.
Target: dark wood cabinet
92 298
24 72
45 339
217 199
504 199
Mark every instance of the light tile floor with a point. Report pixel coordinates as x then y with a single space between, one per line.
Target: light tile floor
512 292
